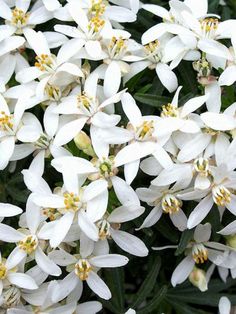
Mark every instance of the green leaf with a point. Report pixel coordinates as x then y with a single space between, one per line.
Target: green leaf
154 303
185 238
152 100
147 284
188 75
115 281
182 308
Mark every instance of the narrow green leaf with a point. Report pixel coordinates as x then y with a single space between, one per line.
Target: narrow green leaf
152 100
147 284
115 281
154 303
186 236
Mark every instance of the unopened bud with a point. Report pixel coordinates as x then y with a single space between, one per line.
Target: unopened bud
198 279
231 241
83 142
86 68
203 67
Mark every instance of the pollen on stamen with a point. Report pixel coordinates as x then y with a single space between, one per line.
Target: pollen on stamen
170 204
82 269
199 254
221 195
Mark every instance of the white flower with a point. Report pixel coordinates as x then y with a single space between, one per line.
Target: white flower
199 251
152 56
78 204
48 66
84 268
9 273
28 242
109 227
18 126
19 19
147 136
164 200
88 108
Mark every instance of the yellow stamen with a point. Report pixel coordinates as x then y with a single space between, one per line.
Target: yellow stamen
82 269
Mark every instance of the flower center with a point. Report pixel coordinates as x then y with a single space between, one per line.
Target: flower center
117 48
6 123
95 25
169 110
209 26
201 165
28 244
221 195
43 142
145 131
11 297
97 8
199 253
104 229
19 18
82 269
170 204
53 92
51 213
152 50
203 67
45 62
3 271
72 202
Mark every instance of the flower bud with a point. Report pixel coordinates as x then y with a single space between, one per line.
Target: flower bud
83 142
231 240
198 279
203 67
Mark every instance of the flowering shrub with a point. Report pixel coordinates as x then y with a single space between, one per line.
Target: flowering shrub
117 156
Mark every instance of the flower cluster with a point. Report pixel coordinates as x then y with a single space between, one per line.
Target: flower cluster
65 108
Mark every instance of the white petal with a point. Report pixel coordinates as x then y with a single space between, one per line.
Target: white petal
65 287
229 229
179 220
154 33
202 233
8 210
28 74
11 43
124 192
87 226
109 260
6 150
192 105
131 109
125 213
214 48
129 243
33 217
200 212
152 218
134 151
98 286
131 171
69 49
62 258
89 307
194 147
16 256
22 281
93 48
224 305
61 229
94 189
182 271
228 77
167 77
47 265
10 235
37 41
69 131
112 79
213 102
218 121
